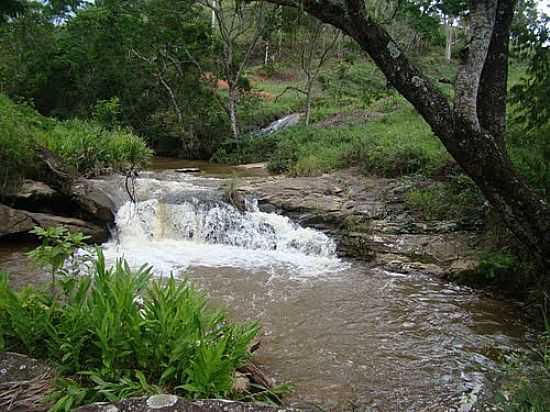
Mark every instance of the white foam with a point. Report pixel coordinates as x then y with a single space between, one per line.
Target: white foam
175 237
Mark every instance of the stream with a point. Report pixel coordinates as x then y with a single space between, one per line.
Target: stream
345 334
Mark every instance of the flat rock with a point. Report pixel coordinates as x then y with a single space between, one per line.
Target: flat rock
369 219
15 367
97 233
172 403
24 383
20 222
253 166
33 189
188 170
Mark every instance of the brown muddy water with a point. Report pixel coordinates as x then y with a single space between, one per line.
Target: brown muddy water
348 336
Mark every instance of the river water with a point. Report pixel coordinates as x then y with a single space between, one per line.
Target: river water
348 336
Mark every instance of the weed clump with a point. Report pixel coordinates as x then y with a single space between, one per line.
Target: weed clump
117 333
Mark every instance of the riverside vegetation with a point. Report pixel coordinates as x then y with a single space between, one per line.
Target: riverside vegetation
98 84
171 342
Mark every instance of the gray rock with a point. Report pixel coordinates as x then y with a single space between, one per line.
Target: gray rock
15 367
19 222
94 202
13 221
24 383
97 233
31 189
368 217
172 403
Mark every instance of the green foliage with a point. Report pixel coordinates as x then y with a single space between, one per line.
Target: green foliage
358 84
85 147
532 94
88 148
528 388
107 112
170 342
17 141
530 152
106 62
58 245
456 199
494 264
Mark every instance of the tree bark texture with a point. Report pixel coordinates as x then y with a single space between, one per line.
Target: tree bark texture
472 129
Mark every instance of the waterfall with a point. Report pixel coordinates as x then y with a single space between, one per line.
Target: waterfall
180 224
215 222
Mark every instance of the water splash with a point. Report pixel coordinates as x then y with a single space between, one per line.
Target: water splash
200 232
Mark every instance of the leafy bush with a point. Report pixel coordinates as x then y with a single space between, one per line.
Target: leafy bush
458 198
116 334
18 126
85 147
493 265
107 112
58 245
530 153
88 148
528 388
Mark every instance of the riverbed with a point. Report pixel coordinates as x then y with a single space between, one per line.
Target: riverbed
346 334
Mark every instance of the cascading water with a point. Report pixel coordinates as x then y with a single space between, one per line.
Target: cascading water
180 226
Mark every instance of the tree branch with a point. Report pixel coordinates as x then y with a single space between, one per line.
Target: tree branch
482 20
493 90
288 89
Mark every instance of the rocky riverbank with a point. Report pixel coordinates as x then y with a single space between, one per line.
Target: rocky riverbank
371 221
368 217
26 383
82 208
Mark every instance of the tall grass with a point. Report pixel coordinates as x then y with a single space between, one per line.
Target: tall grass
117 333
85 147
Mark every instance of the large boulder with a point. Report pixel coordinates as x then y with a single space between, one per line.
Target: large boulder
97 233
35 196
13 221
20 222
95 203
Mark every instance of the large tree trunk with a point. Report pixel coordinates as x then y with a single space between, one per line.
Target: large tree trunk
472 130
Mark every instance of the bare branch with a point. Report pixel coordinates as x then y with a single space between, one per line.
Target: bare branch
288 89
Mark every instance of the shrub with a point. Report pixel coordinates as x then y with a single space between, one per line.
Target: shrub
528 387
18 126
85 147
496 264
458 199
116 334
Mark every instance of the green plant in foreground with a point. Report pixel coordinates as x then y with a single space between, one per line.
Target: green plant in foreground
118 333
58 245
528 388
